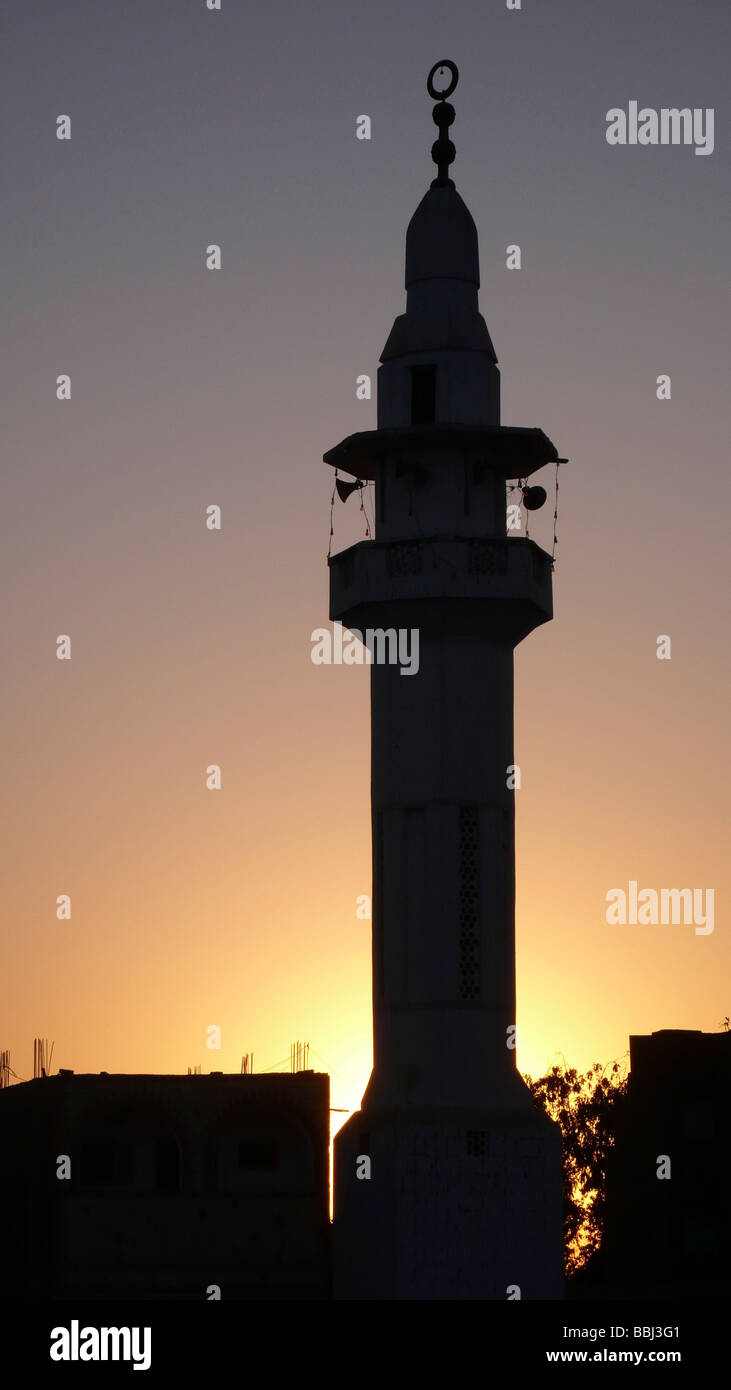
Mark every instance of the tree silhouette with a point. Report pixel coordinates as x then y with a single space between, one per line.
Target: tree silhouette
585 1107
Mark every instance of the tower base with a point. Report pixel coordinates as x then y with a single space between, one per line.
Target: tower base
459 1204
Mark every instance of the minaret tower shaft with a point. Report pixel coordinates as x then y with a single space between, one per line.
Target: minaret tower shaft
464 1194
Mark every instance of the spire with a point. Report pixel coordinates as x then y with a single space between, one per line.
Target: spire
441 240
443 320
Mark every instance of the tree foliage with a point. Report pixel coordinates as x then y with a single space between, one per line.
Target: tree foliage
585 1106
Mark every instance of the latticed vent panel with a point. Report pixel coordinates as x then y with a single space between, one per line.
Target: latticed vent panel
488 557
477 1143
469 902
403 559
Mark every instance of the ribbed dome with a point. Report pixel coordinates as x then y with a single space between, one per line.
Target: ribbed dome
441 240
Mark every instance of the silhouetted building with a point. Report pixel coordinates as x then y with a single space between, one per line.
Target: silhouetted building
176 1184
448 1180
668 1214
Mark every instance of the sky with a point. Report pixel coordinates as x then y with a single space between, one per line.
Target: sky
236 908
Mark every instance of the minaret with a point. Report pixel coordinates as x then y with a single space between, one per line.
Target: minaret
461 1195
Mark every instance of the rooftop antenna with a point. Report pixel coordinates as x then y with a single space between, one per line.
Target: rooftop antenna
42 1055
37 1057
299 1056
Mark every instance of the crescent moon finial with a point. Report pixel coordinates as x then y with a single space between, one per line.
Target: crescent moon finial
442 151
